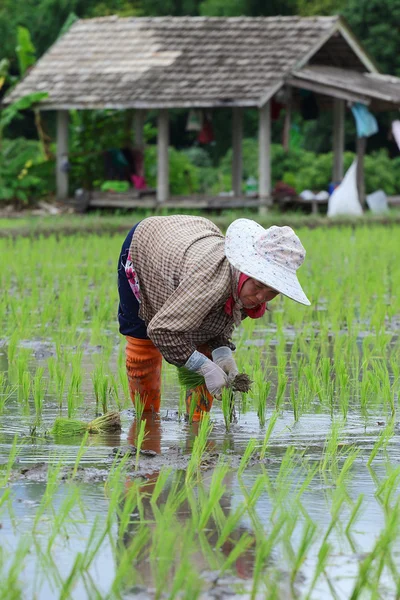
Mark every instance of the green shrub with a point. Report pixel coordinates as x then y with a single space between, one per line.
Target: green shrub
183 175
18 180
303 169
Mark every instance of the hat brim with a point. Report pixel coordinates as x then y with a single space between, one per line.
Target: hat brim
240 250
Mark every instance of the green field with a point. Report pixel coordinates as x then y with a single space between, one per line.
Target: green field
297 499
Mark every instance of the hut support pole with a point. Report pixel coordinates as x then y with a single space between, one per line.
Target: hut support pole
62 155
237 161
361 147
264 158
338 140
138 124
162 157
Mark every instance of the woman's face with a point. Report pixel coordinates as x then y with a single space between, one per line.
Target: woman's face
254 293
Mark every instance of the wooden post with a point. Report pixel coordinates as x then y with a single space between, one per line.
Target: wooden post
62 155
264 158
237 159
288 120
162 157
139 119
361 147
338 140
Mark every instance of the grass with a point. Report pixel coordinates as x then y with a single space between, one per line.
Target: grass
321 413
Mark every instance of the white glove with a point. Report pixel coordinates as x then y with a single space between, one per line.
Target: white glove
214 376
223 358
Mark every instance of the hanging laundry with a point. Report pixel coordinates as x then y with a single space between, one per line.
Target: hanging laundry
194 120
366 124
396 132
276 109
206 135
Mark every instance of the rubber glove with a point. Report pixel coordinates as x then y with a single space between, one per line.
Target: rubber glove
214 376
223 357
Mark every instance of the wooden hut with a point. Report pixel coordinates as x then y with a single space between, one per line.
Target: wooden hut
207 63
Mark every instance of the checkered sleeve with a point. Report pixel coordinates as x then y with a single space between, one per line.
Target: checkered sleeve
199 293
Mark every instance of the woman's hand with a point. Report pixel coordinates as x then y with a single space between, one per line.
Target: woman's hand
215 378
223 357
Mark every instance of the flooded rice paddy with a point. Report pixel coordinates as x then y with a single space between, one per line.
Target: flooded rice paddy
297 499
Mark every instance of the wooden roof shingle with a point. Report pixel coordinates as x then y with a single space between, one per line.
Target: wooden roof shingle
113 62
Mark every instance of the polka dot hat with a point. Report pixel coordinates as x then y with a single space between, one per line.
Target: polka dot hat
272 256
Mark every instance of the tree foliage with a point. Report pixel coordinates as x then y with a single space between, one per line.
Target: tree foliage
377 25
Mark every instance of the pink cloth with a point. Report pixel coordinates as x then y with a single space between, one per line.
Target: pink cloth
132 277
253 313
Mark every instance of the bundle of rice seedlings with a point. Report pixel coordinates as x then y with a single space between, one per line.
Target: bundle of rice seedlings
189 380
107 423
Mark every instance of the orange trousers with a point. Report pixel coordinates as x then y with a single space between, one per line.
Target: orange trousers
143 367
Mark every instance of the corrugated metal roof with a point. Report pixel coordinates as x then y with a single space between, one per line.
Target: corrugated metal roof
172 61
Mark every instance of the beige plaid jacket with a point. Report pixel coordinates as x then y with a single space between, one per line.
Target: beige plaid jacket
185 280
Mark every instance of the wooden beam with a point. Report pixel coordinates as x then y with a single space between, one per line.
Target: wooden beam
264 157
162 157
338 140
62 155
237 159
327 90
139 119
361 147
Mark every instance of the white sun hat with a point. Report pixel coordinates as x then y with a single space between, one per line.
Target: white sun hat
271 256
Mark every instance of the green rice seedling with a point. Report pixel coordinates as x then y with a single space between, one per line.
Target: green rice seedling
139 406
210 500
5 472
12 347
81 452
355 512
76 372
38 391
352 455
139 441
247 455
114 392
25 389
199 447
264 548
71 402
182 403
343 381
382 441
101 387
272 422
228 407
190 380
69 427
194 398
367 578
306 541
322 563
387 489
123 380
6 391
125 576
262 392
21 364
280 391
330 452
296 401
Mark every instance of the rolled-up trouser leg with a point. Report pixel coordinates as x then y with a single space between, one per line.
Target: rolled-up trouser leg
199 394
143 367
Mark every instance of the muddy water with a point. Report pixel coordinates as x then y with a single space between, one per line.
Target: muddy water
172 439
